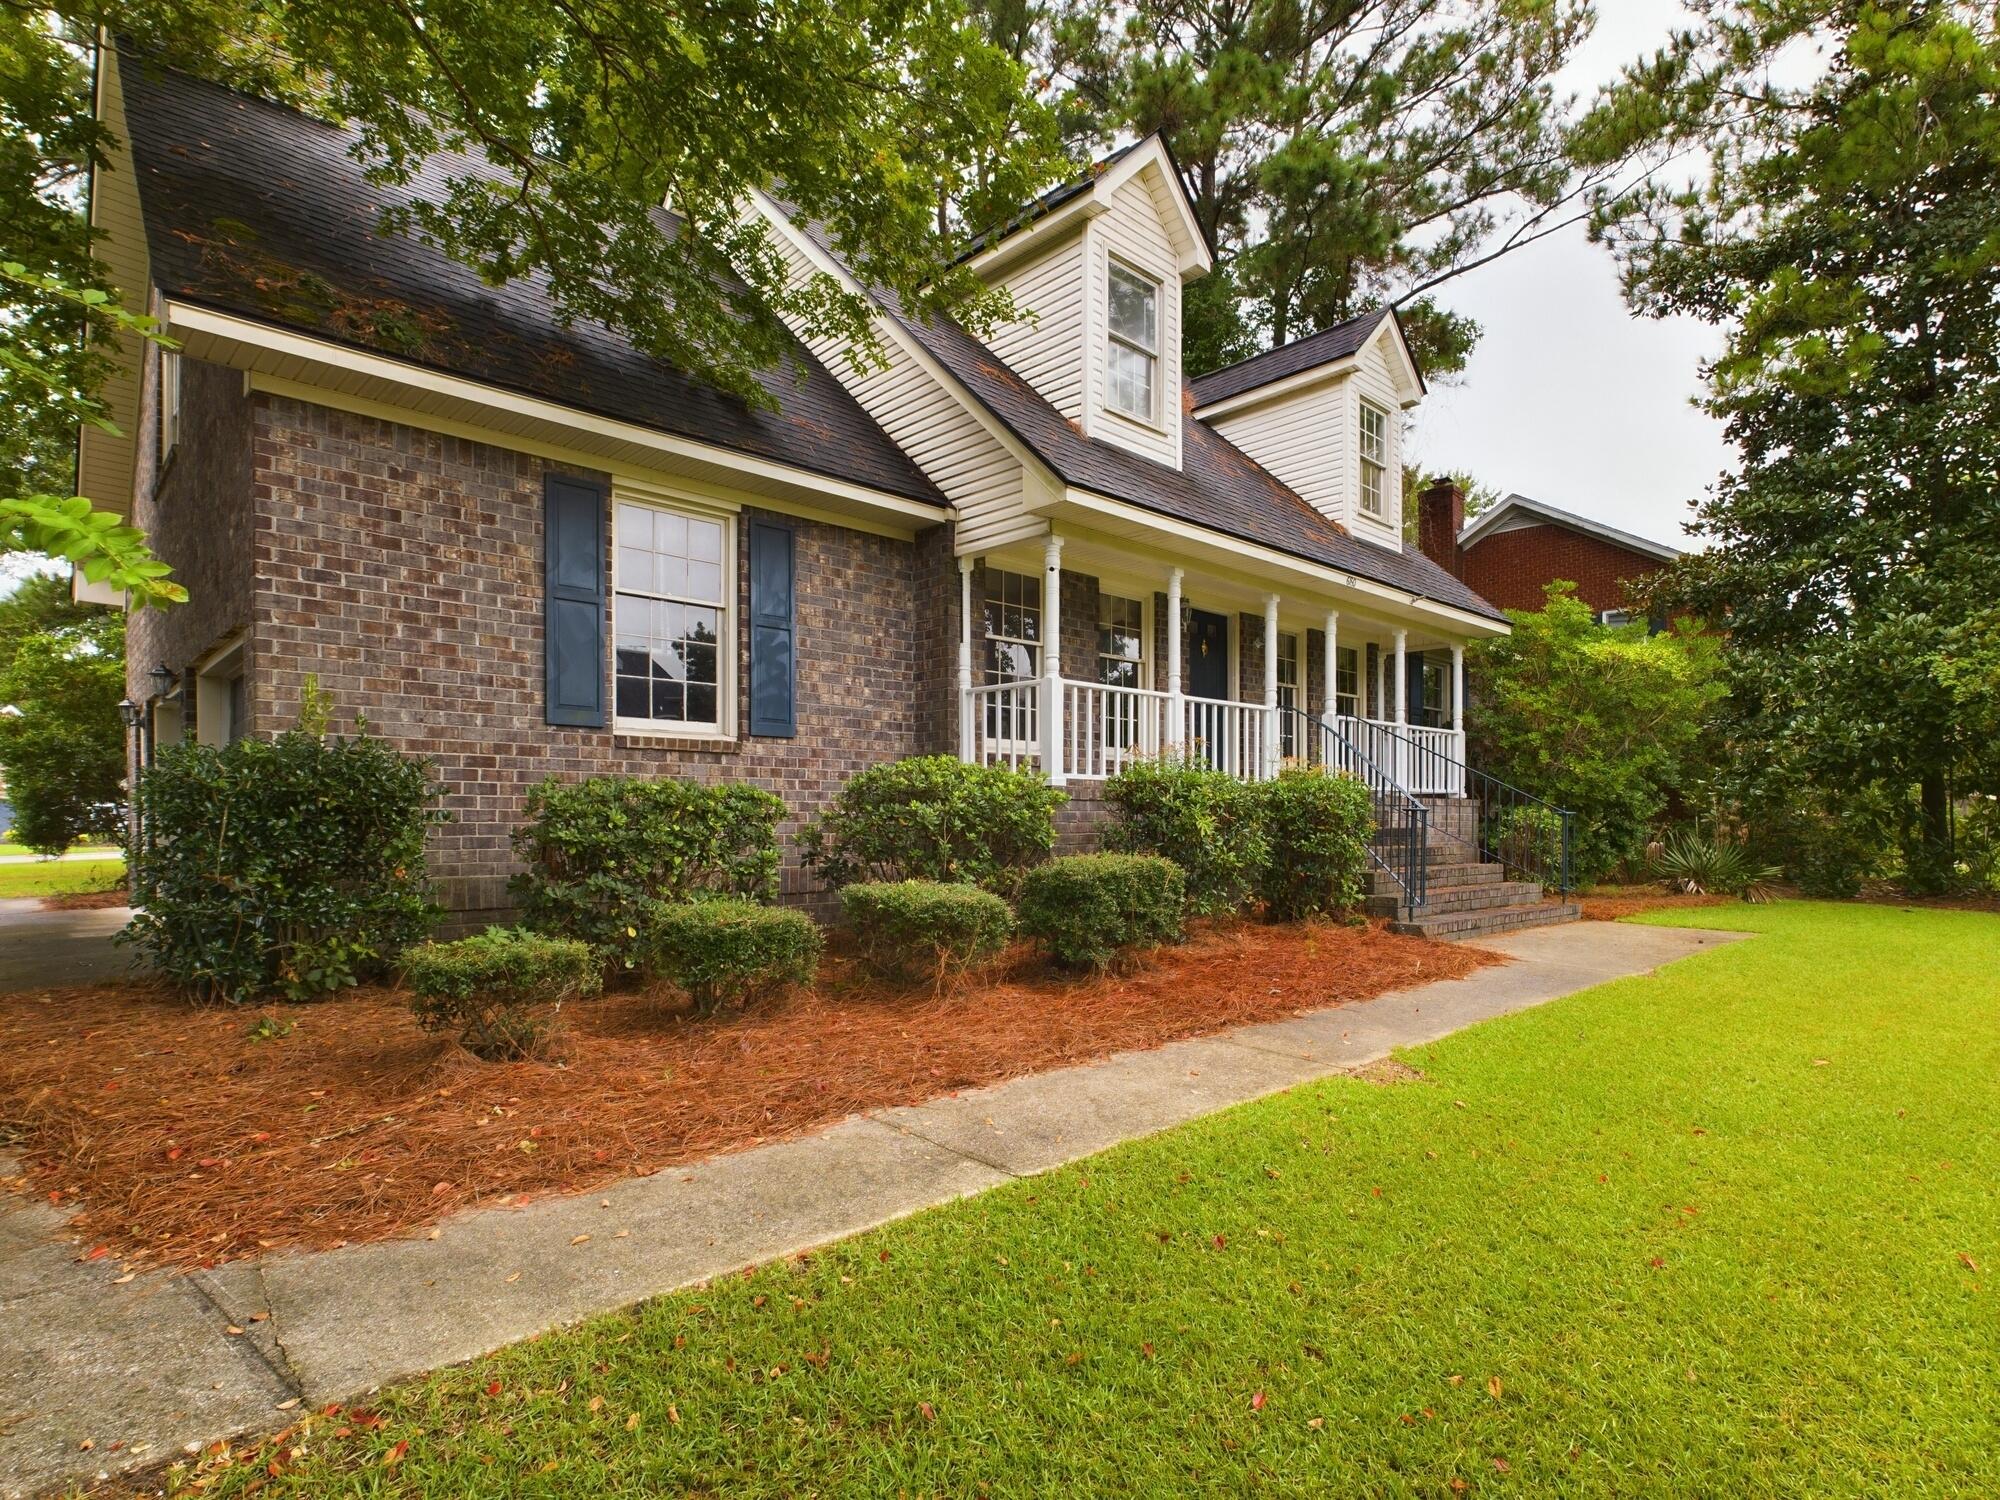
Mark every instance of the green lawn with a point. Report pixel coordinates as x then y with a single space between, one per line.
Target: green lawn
1733 1229
58 877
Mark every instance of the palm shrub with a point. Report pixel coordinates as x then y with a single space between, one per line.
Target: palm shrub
924 929
1089 911
290 866
603 852
1318 824
1697 864
494 987
933 817
1203 819
723 951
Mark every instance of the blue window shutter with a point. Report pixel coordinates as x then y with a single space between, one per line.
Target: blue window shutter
773 632
573 599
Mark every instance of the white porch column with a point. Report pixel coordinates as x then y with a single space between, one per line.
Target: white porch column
1330 669
1176 736
968 743
1400 686
1381 683
1052 692
1273 740
1458 712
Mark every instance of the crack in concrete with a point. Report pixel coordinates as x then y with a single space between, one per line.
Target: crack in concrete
958 1151
241 1345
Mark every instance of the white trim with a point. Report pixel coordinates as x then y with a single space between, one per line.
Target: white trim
188 321
1410 379
1520 505
1266 561
723 727
1190 245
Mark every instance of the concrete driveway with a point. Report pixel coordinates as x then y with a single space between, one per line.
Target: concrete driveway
46 949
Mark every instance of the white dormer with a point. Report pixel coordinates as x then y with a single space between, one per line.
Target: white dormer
1099 265
1324 414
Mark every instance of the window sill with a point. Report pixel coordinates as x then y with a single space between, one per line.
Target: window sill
704 736
1144 424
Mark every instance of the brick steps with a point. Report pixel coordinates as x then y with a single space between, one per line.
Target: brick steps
1381 883
1448 900
1460 925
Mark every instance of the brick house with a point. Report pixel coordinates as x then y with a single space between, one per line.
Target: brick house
525 549
1512 551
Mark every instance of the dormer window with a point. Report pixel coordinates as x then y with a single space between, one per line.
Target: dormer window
1374 449
1132 358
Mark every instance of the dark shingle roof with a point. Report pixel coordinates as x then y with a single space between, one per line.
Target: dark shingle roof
1218 485
1322 348
254 209
1050 201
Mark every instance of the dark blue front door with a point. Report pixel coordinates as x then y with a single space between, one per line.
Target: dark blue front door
1208 654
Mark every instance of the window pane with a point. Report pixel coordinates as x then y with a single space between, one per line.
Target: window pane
704 541
1130 381
704 581
635 526
669 701
633 699
701 703
700 662
1134 308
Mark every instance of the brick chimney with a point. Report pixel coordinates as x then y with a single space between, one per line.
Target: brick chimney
1440 518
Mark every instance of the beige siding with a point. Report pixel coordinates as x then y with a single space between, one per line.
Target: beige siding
930 422
1134 231
1306 440
104 460
1047 349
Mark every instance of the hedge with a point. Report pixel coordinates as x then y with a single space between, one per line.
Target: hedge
1090 910
724 951
1318 824
493 985
922 929
1203 819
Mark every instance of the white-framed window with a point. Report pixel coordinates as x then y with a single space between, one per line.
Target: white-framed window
1013 610
1437 677
1288 695
221 698
1121 662
1132 346
1347 682
170 401
671 619
1374 454
1614 617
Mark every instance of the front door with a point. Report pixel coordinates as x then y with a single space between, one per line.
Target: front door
1208 654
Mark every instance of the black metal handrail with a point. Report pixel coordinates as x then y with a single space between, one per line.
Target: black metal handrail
1516 830
1401 843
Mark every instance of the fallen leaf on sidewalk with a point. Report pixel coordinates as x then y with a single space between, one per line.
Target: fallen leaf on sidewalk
582 1239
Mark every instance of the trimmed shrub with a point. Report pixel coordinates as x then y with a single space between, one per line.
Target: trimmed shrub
933 817
603 852
1318 824
1088 910
1529 838
922 929
1204 820
490 987
290 866
724 951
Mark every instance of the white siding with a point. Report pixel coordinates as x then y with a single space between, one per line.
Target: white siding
930 423
1134 231
1307 440
105 460
1047 350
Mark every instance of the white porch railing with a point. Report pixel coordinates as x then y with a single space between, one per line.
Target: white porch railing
1104 727
1232 737
1423 760
1002 724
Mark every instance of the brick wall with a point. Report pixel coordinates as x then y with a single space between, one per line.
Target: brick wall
196 512
1511 568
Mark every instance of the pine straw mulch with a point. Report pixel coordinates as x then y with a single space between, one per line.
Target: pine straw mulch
88 900
178 1137
1609 903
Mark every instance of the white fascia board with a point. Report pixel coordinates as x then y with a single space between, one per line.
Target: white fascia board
1269 562
186 320
1191 247
1279 390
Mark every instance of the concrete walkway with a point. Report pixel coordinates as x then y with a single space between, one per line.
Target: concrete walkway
151 1365
44 949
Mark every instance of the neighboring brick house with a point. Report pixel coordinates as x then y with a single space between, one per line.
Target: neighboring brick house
525 549
1513 550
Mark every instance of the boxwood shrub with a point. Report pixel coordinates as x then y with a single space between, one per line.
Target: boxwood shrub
494 987
933 817
724 951
1204 820
924 929
1318 824
1090 910
290 866
602 852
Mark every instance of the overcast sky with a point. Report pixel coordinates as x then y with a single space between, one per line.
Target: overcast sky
1569 398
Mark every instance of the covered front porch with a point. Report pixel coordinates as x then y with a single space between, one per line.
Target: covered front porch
1078 654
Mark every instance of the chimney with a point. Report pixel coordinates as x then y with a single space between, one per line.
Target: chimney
1440 518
